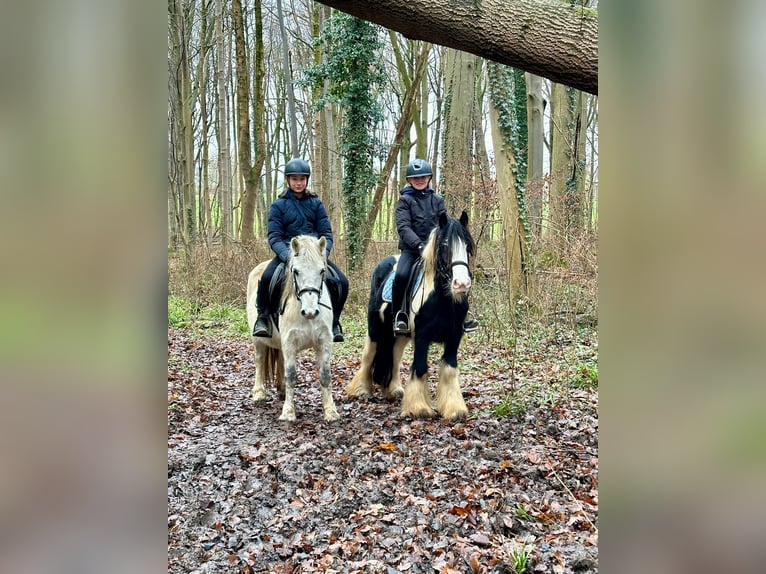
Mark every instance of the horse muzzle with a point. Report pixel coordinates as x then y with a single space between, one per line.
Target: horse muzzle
461 286
310 313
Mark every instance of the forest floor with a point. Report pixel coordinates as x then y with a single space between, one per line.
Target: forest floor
512 488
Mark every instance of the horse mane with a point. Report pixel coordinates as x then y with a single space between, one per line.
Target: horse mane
309 248
447 234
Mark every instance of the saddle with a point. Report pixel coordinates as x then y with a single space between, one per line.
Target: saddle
416 276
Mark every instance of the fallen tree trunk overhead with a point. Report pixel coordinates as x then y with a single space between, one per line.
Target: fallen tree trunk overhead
545 37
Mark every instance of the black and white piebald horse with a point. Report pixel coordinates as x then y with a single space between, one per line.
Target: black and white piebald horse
438 307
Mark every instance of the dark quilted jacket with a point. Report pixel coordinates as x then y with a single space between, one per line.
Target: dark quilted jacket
417 213
290 217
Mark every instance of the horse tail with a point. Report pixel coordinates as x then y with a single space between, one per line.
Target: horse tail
273 369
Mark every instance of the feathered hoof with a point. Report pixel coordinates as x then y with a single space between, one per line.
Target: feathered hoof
331 416
454 415
394 392
419 413
355 389
287 417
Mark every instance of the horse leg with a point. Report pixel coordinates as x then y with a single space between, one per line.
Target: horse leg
324 353
291 376
278 371
361 384
417 398
259 355
394 390
449 398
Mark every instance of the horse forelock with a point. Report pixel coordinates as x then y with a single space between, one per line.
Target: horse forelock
448 236
308 254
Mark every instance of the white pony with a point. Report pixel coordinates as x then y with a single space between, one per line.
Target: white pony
305 321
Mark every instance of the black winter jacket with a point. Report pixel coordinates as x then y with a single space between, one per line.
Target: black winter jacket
417 213
290 217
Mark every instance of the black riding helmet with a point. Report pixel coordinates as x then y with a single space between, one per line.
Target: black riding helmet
297 166
418 168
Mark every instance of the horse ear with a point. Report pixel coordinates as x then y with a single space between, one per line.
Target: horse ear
322 244
464 219
443 219
295 245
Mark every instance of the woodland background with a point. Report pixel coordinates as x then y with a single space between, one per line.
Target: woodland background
253 84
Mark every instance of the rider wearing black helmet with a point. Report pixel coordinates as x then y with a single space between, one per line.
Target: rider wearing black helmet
298 212
417 213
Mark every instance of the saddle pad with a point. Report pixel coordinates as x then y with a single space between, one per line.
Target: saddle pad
388 285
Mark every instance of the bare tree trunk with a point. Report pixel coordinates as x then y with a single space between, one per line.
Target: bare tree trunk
327 166
535 155
292 119
484 199
567 163
224 158
457 171
405 121
181 12
202 82
592 182
513 229
437 89
250 169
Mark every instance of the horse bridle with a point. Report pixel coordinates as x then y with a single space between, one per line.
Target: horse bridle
312 289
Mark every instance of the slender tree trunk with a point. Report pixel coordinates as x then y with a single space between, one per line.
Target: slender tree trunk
535 156
402 125
250 170
202 81
567 164
438 84
259 111
224 158
484 200
292 118
181 11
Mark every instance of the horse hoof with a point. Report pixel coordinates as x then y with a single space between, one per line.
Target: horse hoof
396 394
356 392
455 416
259 396
287 418
331 417
419 413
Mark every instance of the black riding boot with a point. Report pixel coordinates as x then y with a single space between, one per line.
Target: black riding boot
337 332
333 288
262 327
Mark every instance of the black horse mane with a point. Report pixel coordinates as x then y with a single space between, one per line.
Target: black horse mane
437 255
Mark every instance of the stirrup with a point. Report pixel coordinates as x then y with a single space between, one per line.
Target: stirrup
401 324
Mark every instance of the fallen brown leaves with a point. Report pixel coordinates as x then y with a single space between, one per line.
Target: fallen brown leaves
374 492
